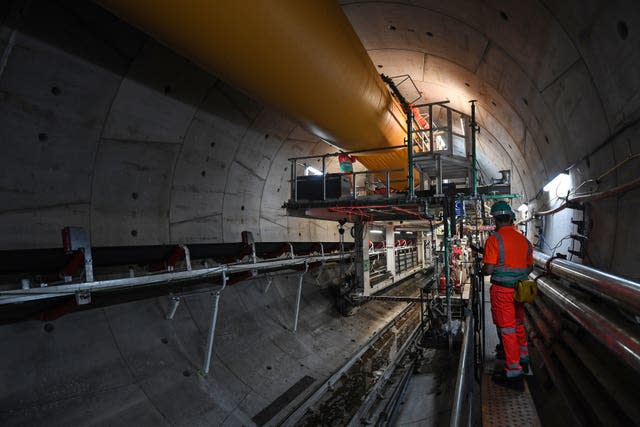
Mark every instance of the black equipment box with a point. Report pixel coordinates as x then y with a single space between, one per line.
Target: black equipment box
310 186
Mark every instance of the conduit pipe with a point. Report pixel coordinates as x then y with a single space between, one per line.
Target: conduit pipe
301 57
592 197
618 338
608 286
585 386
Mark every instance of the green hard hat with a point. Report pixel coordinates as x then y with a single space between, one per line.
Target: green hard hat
501 208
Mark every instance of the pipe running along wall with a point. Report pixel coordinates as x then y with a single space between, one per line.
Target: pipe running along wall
302 57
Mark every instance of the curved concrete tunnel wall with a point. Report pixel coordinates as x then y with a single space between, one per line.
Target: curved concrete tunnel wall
556 84
93 112
136 144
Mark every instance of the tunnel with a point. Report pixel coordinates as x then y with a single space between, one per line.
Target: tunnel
180 244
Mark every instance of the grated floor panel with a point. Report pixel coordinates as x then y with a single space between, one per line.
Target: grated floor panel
502 407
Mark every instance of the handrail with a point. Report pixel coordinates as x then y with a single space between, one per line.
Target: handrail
464 373
31 294
368 150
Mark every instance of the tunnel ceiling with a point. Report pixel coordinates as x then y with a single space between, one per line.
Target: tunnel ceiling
105 128
553 79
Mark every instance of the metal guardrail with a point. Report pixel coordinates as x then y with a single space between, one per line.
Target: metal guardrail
465 375
32 294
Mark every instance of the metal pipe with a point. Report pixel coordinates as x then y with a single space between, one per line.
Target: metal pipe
447 272
439 172
214 320
294 181
32 294
583 385
615 388
298 298
463 373
561 384
388 184
411 184
608 286
592 197
474 166
363 151
618 338
324 177
175 302
187 256
600 371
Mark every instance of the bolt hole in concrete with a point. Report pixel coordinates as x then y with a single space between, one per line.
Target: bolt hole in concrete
494 103
379 66
48 327
623 30
546 139
213 144
43 136
429 33
55 90
269 368
134 196
164 341
186 373
392 28
525 101
467 84
266 136
241 208
134 233
504 16
203 173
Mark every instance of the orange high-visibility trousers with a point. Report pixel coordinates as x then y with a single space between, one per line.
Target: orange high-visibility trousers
508 316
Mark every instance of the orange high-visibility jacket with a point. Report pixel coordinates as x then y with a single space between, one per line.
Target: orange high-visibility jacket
512 255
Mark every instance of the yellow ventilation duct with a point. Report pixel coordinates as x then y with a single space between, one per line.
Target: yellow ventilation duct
299 56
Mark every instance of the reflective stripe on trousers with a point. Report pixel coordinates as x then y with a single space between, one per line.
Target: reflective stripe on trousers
508 316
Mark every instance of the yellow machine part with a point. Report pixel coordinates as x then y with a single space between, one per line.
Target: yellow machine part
301 57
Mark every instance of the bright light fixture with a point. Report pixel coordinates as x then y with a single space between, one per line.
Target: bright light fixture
409 232
523 208
560 184
375 231
310 170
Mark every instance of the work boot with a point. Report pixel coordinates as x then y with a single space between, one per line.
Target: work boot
499 352
525 366
514 383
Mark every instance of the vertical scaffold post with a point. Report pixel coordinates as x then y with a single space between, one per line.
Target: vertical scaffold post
324 177
299 296
474 165
214 319
447 272
411 192
294 181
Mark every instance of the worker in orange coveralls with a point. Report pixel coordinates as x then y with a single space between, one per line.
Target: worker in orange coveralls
508 258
